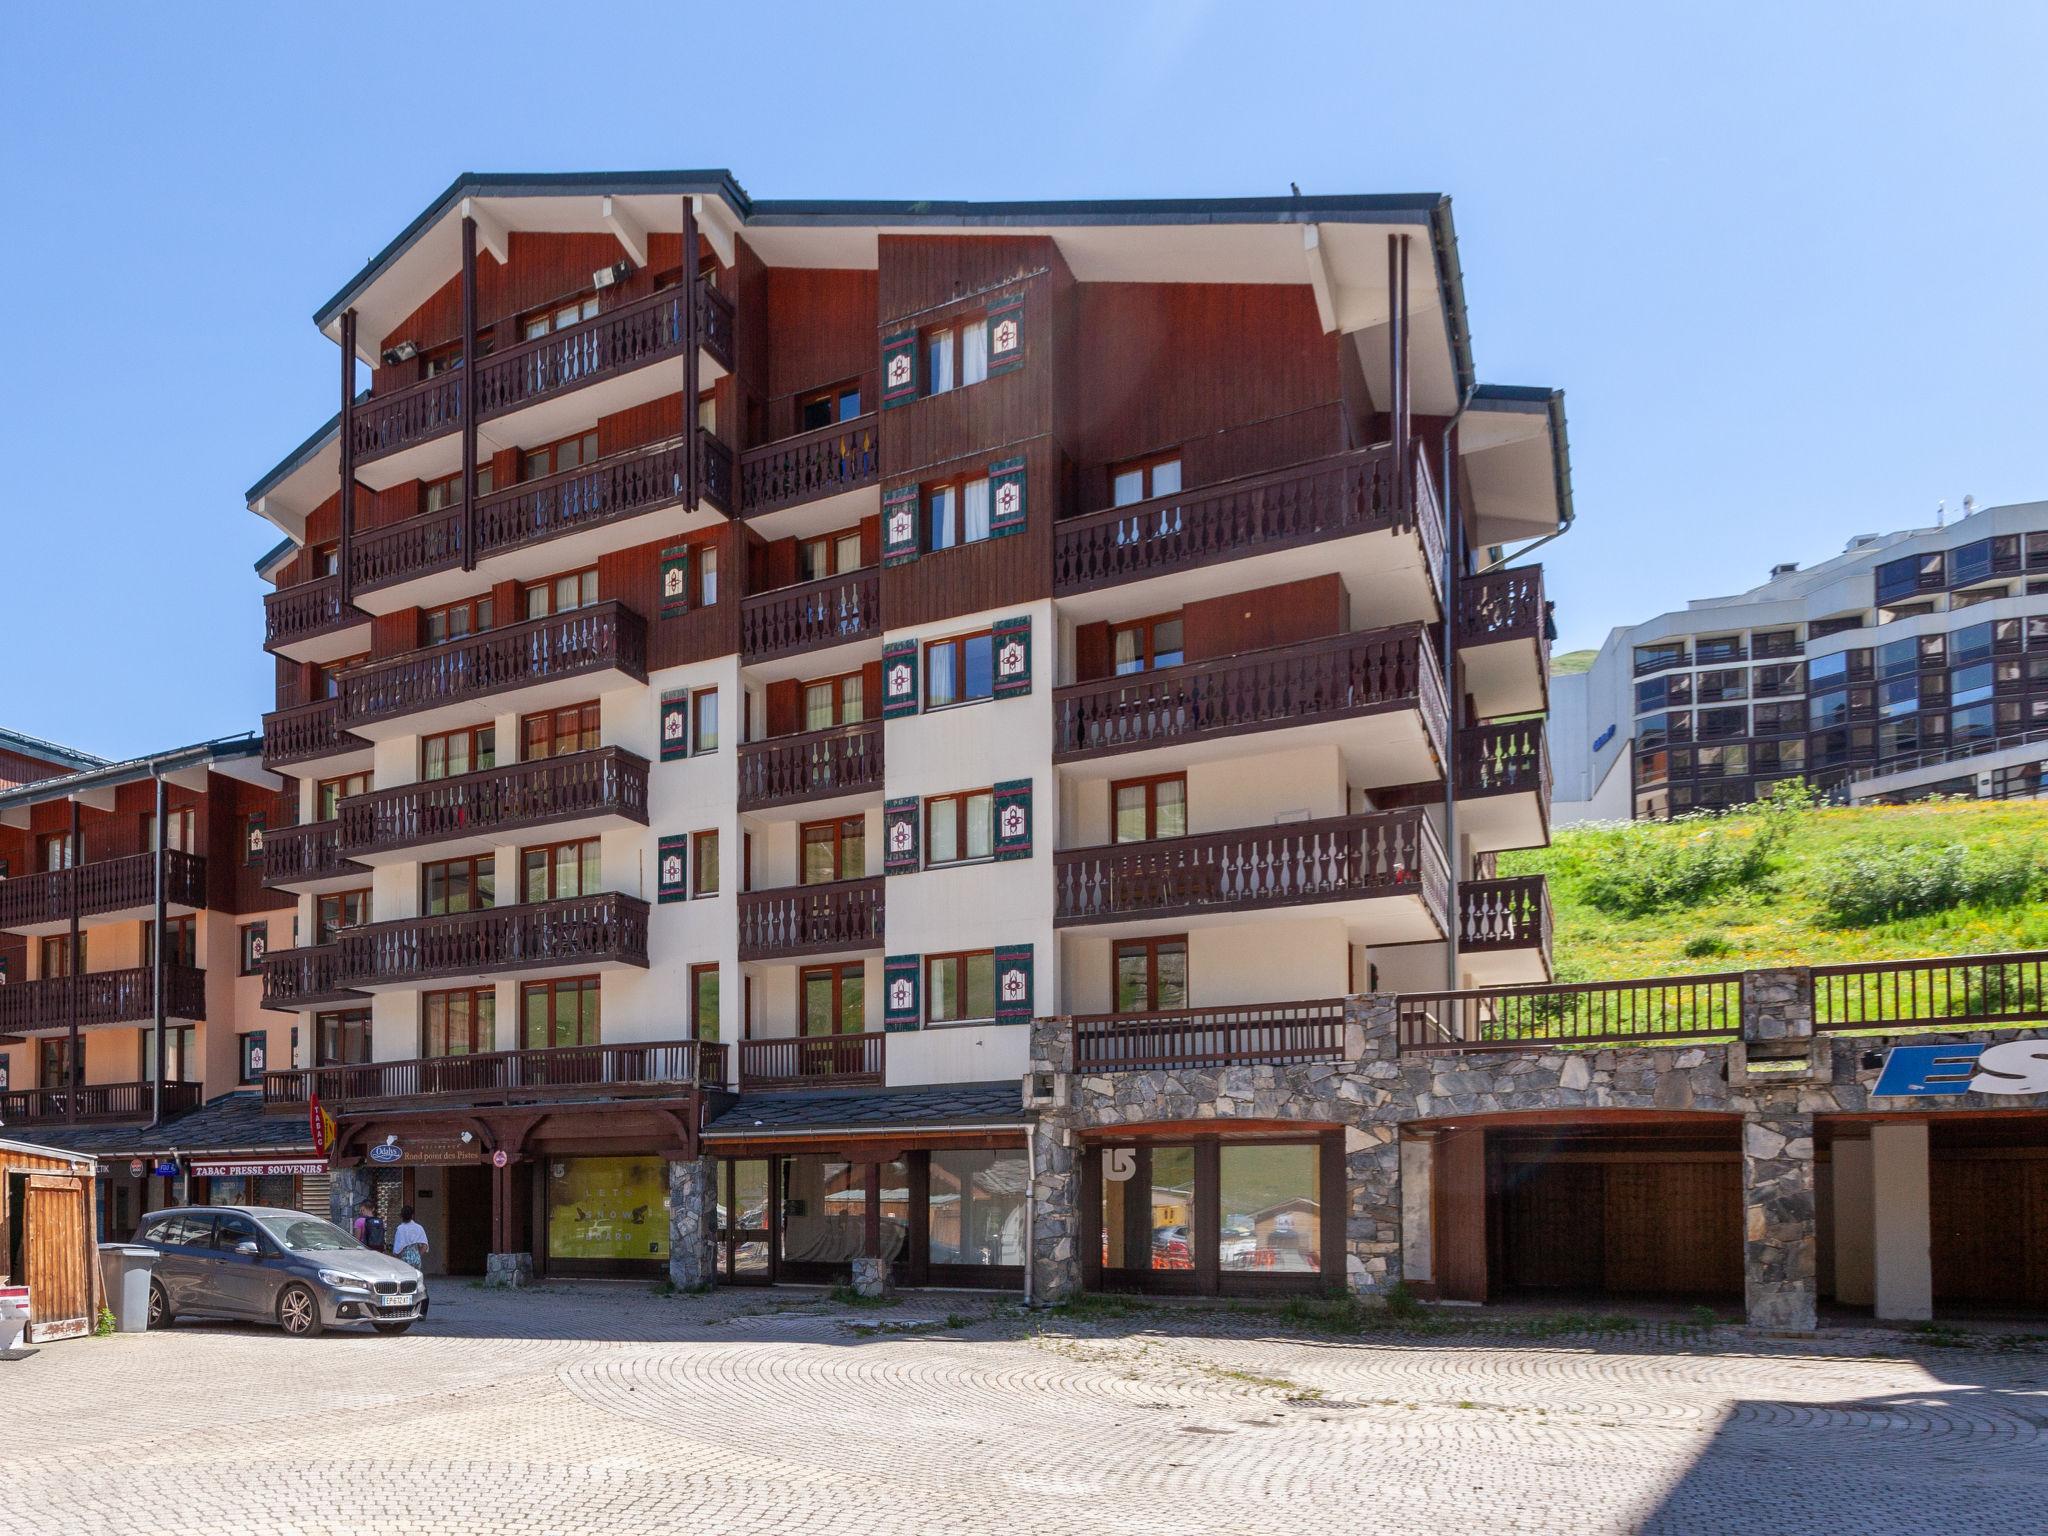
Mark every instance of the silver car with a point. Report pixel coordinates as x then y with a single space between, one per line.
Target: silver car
274 1266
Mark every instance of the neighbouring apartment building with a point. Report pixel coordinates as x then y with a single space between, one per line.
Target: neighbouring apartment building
1912 664
740 662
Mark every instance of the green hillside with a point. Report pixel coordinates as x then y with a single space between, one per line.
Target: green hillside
1572 661
1788 885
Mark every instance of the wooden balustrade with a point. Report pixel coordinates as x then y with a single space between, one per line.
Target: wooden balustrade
813 1061
785 770
1506 758
101 997
825 461
1989 990
1197 1038
581 930
98 886
306 611
657 1068
811 615
301 732
608 781
1338 858
1584 1013
1511 913
1334 678
90 1102
811 919
605 637
295 855
1501 605
309 974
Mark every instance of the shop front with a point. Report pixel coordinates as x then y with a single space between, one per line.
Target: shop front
605 1216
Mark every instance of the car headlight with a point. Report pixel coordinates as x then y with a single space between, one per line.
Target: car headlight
340 1281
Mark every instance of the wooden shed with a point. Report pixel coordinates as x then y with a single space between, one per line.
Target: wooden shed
46 1238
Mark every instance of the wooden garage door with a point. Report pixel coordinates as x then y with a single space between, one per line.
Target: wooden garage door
1625 1227
1989 1229
60 1285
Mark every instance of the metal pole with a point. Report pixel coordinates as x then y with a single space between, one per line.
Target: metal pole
693 466
156 1096
1452 693
73 1073
467 387
347 448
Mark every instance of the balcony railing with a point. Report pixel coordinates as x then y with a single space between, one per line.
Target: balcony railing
102 997
301 732
104 1103
1333 498
1581 1013
809 466
1330 679
1504 759
307 611
1511 913
605 637
811 615
295 855
604 782
813 1061
655 1069
1501 605
582 930
787 770
1196 1038
811 919
630 336
1337 858
302 977
1659 661
106 885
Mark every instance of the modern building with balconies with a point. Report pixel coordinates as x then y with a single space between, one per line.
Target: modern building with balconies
740 661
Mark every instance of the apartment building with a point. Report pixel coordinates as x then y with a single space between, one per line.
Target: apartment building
1912 663
739 662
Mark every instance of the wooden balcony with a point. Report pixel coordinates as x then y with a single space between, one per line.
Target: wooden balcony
1385 857
1204 1038
581 793
101 890
1503 641
308 733
844 917
1504 785
1318 683
308 858
842 762
811 466
659 1069
605 641
813 1061
811 616
1504 929
306 977
297 618
648 330
95 1103
580 933
101 998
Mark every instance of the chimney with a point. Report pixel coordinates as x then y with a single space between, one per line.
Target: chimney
1784 568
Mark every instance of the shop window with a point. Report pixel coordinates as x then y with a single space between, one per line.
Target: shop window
1148 1213
606 1212
824 1211
975 1208
1270 1201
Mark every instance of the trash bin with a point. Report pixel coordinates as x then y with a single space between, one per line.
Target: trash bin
124 1271
14 1316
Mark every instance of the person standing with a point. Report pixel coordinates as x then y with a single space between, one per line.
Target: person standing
409 1242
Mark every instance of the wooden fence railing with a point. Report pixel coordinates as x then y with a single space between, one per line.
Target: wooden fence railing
1949 990
304 611
811 919
810 466
607 781
1209 1037
103 885
783 770
101 997
1580 1013
811 615
95 1102
586 1070
813 1061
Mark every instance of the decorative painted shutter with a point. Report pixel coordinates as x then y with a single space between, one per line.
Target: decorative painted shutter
1013 984
900 852
901 975
672 868
899 525
1013 819
899 369
1006 334
675 724
899 679
1006 497
1012 643
675 581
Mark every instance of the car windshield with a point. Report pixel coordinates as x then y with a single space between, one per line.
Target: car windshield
307 1234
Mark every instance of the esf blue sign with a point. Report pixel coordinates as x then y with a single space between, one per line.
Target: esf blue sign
1924 1071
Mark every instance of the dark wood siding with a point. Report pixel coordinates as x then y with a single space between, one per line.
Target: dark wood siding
1278 615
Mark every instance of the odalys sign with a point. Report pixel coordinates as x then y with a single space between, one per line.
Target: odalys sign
1923 1071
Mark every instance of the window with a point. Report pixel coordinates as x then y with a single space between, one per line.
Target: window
454 753
184 825
451 621
447 492
1902 578
833 850
558 317
1272 1214
704 863
558 871
955 355
1719 762
824 407
1898 657
562 594
53 954
1663 692
339 910
975 1207
707 575
1147 643
959 828
255 942
1972 644
1143 809
959 671
704 1002
703 721
53 851
327 676
960 987
561 1012
557 732
323 560
459 885
834 999
53 1062
181 1054
1976 723
1151 974
834 701
342 1039
182 946
558 458
957 512
329 794
1825 672
1971 685
255 1055
461 1022
1729 683
833 554
1142 479
1654 658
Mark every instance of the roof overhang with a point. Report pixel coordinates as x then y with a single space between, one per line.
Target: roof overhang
1517 460
234 757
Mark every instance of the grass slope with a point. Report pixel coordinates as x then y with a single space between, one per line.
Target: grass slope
1798 904
1572 661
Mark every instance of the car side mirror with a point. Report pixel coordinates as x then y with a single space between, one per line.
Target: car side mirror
247 1248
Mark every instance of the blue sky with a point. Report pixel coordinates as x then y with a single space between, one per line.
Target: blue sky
1784 260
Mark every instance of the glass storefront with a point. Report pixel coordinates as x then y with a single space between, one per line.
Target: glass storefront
606 1213
975 1208
1210 1216
824 1211
1270 1202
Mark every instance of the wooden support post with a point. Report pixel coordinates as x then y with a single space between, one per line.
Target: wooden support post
74 1073
156 976
347 445
467 392
693 452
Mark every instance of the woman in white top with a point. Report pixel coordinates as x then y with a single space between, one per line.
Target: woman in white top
409 1242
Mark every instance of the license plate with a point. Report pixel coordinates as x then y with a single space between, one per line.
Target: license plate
395 1305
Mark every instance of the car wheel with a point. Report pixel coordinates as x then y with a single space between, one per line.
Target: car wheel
160 1313
298 1312
393 1328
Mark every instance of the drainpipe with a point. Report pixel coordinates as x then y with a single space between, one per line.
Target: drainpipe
156 1087
1030 1207
1452 694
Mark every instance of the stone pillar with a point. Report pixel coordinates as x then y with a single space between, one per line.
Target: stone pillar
1777 1005
508 1271
1055 1208
873 1277
1901 1226
346 1189
1780 1249
1418 1224
693 1223
1372 1151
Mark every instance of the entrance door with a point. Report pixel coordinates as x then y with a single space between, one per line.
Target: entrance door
466 1206
745 1222
55 1244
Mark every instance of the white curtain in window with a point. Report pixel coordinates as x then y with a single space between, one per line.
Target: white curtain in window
974 518
974 353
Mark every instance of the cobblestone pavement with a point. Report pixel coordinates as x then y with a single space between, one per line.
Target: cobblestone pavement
572 1409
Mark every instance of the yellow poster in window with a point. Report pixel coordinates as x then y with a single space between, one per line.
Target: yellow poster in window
607 1208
